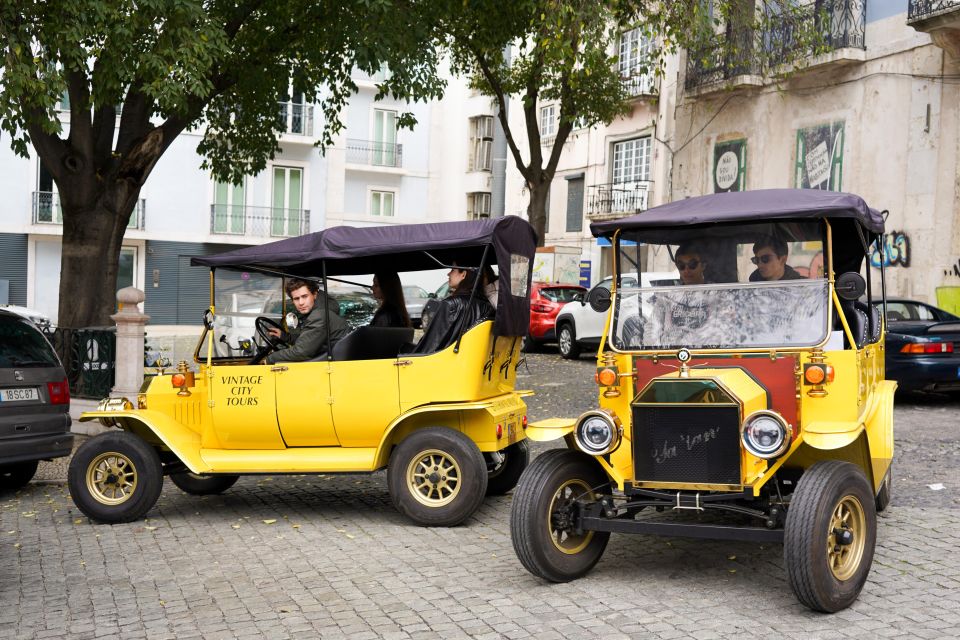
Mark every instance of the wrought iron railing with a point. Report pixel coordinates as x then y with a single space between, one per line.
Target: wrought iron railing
840 23
47 210
923 9
716 63
379 154
89 359
618 198
296 118
639 85
258 222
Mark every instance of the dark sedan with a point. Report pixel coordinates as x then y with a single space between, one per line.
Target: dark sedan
923 346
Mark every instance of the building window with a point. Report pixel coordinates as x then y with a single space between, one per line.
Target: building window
634 57
286 214
631 161
481 143
229 212
478 205
548 121
381 203
384 138
575 204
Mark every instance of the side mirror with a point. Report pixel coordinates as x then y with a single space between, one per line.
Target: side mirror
208 319
850 286
432 295
599 299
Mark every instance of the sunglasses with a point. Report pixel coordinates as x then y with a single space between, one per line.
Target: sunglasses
683 266
764 259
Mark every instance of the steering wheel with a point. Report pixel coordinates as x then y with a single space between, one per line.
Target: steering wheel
263 324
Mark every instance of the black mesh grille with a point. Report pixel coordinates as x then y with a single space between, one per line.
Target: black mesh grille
687 444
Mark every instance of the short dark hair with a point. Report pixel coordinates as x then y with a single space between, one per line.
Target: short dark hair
688 249
779 246
295 283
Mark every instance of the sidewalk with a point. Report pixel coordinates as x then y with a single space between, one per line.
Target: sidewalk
78 406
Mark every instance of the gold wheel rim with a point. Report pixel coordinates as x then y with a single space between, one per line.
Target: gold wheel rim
844 559
564 539
434 478
111 478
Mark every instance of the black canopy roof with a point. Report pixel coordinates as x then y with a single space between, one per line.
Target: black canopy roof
346 250
750 206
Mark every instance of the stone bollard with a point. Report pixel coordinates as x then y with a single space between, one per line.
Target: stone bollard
128 374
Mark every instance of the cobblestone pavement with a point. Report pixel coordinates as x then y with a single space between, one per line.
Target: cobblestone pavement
328 556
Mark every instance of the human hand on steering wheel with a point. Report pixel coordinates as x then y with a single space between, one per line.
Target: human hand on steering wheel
271 333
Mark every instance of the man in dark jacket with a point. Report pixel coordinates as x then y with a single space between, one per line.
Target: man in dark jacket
309 338
457 312
770 256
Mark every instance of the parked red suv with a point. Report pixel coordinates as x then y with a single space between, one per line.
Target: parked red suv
546 300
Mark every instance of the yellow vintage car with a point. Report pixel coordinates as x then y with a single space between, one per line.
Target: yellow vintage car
747 403
448 425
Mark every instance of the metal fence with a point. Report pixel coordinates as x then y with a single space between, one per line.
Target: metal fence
922 9
296 118
639 85
618 198
371 152
47 210
88 356
258 222
713 63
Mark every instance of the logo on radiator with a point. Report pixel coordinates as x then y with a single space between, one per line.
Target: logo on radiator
18 375
683 442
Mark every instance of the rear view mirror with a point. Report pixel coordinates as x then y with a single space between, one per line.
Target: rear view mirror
208 319
599 299
850 286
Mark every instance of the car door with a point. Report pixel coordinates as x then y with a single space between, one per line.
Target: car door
365 399
304 403
243 406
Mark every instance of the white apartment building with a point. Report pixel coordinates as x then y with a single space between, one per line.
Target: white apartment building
375 173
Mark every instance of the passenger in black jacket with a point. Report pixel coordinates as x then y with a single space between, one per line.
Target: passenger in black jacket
388 291
770 256
458 311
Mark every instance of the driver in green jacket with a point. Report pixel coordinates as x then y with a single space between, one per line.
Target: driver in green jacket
309 339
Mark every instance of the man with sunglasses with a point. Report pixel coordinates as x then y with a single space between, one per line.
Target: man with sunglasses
690 264
770 256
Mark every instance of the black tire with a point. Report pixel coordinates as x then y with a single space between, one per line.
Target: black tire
886 490
17 475
555 554
455 485
827 575
531 346
503 476
567 342
203 485
115 477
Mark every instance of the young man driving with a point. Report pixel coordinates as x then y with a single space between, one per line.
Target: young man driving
309 338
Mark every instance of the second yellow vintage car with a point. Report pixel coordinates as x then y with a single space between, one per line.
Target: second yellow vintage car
447 424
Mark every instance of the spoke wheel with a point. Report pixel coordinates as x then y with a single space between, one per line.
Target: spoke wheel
543 519
437 477
115 477
111 478
830 535
434 478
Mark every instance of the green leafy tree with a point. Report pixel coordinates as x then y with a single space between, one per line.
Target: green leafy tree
564 52
138 73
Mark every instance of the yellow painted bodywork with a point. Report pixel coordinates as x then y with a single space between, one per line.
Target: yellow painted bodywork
852 422
302 417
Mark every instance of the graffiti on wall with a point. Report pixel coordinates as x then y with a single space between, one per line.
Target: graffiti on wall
896 251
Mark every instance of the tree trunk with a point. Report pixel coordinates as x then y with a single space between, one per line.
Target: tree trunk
92 238
537 208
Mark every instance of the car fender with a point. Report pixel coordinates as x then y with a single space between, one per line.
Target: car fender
158 430
879 428
455 415
550 429
831 435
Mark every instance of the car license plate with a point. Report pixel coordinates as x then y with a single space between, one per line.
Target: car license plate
19 395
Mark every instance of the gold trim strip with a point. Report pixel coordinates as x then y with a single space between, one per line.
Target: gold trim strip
690 486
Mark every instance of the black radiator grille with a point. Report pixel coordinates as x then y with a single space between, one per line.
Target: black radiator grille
690 443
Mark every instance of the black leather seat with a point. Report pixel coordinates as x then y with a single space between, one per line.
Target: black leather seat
856 315
372 343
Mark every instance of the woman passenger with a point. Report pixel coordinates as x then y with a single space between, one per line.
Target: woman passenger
392 311
456 311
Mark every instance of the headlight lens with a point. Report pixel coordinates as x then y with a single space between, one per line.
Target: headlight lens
598 433
766 434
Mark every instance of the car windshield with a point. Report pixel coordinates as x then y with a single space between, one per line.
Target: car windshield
21 345
561 294
413 291
744 286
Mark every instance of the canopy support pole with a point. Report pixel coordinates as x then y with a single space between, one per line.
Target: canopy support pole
473 293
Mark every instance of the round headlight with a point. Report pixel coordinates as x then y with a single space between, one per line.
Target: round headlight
598 433
765 434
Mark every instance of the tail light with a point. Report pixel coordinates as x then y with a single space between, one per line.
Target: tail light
540 307
59 392
927 347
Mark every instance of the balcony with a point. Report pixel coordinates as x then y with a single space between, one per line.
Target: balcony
296 119
616 200
639 85
841 23
47 211
712 69
375 154
939 18
258 222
